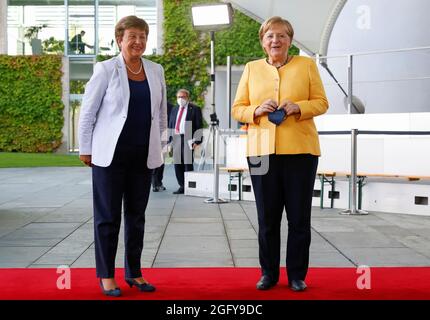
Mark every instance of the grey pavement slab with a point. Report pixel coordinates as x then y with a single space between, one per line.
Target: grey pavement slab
67 215
69 250
319 244
361 240
245 253
233 211
87 259
194 229
340 225
386 257
20 257
195 245
243 234
38 234
246 262
237 224
46 220
243 243
19 217
328 259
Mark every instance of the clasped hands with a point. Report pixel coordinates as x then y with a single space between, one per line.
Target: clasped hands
270 106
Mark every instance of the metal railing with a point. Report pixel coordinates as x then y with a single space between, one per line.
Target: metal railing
396 71
390 67
217 133
352 202
352 107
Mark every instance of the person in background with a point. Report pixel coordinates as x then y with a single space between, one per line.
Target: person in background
185 123
78 44
122 131
277 98
157 173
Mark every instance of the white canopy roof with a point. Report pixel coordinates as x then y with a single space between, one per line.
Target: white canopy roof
312 20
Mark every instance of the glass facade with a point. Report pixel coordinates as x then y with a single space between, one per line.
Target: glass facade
79 29
36 27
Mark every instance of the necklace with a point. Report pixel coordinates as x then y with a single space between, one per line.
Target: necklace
139 71
281 65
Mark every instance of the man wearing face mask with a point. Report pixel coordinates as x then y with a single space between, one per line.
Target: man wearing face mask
185 123
157 173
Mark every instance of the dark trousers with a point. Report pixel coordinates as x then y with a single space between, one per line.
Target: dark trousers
127 178
182 166
288 184
81 47
157 176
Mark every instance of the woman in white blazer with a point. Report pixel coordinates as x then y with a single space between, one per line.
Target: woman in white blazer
122 131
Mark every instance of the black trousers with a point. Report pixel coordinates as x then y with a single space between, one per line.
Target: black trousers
182 161
287 184
127 178
157 176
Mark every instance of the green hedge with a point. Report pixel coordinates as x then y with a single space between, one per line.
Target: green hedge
31 109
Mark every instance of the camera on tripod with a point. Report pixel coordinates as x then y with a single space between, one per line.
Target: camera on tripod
214 119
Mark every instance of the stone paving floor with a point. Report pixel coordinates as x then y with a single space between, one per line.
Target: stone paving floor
46 221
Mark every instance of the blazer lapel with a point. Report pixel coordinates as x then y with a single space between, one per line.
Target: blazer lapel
189 113
173 115
125 89
150 78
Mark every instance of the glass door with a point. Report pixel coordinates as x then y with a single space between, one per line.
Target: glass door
81 27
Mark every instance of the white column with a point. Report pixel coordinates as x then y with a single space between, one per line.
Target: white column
3 26
65 143
160 20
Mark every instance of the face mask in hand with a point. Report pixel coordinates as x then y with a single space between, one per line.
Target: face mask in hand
277 116
181 102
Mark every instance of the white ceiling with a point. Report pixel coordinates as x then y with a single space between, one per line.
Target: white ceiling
312 20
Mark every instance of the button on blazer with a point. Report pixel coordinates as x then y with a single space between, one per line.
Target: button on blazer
298 81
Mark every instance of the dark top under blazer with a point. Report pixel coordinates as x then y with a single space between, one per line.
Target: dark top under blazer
137 127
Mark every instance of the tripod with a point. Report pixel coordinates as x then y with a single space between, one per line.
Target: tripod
214 126
214 131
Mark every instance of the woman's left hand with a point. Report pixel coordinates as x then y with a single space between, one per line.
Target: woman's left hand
290 107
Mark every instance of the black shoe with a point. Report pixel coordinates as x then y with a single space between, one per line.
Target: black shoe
161 188
111 293
155 189
266 283
297 285
144 287
179 191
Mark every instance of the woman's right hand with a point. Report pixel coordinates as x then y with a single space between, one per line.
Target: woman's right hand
86 159
266 107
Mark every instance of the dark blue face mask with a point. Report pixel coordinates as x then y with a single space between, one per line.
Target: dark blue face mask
277 116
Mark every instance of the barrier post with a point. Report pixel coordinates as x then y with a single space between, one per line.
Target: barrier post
228 90
352 207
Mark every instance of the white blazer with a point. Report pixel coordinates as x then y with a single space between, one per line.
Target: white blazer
105 107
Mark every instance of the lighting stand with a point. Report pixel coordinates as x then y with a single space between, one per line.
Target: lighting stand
214 130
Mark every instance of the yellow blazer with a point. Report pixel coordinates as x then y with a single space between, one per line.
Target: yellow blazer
298 81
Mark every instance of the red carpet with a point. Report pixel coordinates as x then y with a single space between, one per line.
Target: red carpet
387 283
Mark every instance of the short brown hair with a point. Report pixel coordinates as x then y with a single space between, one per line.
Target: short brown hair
130 22
266 25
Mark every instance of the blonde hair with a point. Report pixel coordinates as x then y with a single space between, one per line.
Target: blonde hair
266 25
130 22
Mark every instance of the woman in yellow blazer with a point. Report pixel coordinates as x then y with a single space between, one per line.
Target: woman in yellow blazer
277 98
